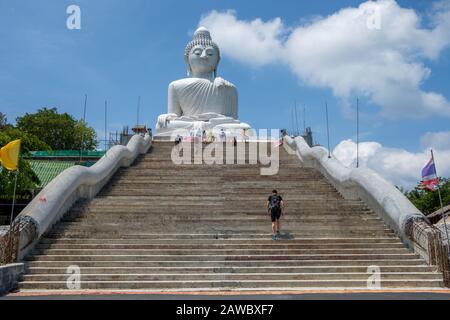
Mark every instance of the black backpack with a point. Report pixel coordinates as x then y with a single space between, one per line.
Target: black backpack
274 202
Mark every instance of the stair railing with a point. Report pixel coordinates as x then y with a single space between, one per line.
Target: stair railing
71 185
382 197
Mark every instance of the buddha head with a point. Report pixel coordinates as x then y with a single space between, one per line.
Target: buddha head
202 55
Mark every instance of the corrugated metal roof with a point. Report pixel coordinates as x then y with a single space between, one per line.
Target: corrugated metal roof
48 170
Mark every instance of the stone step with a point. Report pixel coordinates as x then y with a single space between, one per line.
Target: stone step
217 210
222 208
313 192
143 213
225 208
241 192
148 218
274 285
146 211
365 263
289 221
200 196
220 235
219 257
276 246
200 239
221 269
306 199
172 226
257 206
305 229
225 252
95 212
259 201
115 233
276 276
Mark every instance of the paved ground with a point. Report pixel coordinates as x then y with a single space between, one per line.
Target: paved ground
294 295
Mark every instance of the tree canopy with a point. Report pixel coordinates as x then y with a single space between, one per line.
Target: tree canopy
428 201
30 142
60 131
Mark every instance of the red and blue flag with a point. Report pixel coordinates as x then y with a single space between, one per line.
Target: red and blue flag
430 180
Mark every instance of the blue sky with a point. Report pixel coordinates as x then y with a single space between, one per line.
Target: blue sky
127 49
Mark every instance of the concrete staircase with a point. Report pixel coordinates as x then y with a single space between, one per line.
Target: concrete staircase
161 226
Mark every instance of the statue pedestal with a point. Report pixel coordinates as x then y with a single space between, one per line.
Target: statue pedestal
196 128
211 123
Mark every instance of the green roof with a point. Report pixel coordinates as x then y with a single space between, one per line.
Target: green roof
67 153
48 170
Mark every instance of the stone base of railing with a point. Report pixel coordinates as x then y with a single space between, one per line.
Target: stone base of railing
10 275
9 244
427 242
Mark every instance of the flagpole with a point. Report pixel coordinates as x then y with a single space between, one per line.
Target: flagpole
328 130
440 201
14 198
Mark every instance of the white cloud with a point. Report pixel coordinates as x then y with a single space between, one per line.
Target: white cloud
401 167
254 42
348 54
437 140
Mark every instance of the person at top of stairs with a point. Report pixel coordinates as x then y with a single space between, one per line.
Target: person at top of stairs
275 205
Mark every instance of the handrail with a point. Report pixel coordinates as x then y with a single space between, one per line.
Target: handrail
73 184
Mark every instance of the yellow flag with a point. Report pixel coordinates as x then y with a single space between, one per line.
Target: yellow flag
9 155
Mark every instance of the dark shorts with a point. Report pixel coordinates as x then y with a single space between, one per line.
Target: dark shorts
275 214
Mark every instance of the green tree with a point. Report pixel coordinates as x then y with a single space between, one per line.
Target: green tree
82 132
60 131
428 201
29 142
27 180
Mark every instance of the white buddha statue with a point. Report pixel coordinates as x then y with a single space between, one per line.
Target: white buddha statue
203 101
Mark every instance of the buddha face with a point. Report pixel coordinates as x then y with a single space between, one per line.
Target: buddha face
203 59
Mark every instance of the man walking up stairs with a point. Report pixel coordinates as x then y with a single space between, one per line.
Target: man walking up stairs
275 206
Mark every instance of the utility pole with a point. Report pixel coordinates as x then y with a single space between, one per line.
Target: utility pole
138 107
328 130
357 132
293 123
296 117
82 131
304 119
106 125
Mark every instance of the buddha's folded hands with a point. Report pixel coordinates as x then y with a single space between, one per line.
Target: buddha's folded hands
163 119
